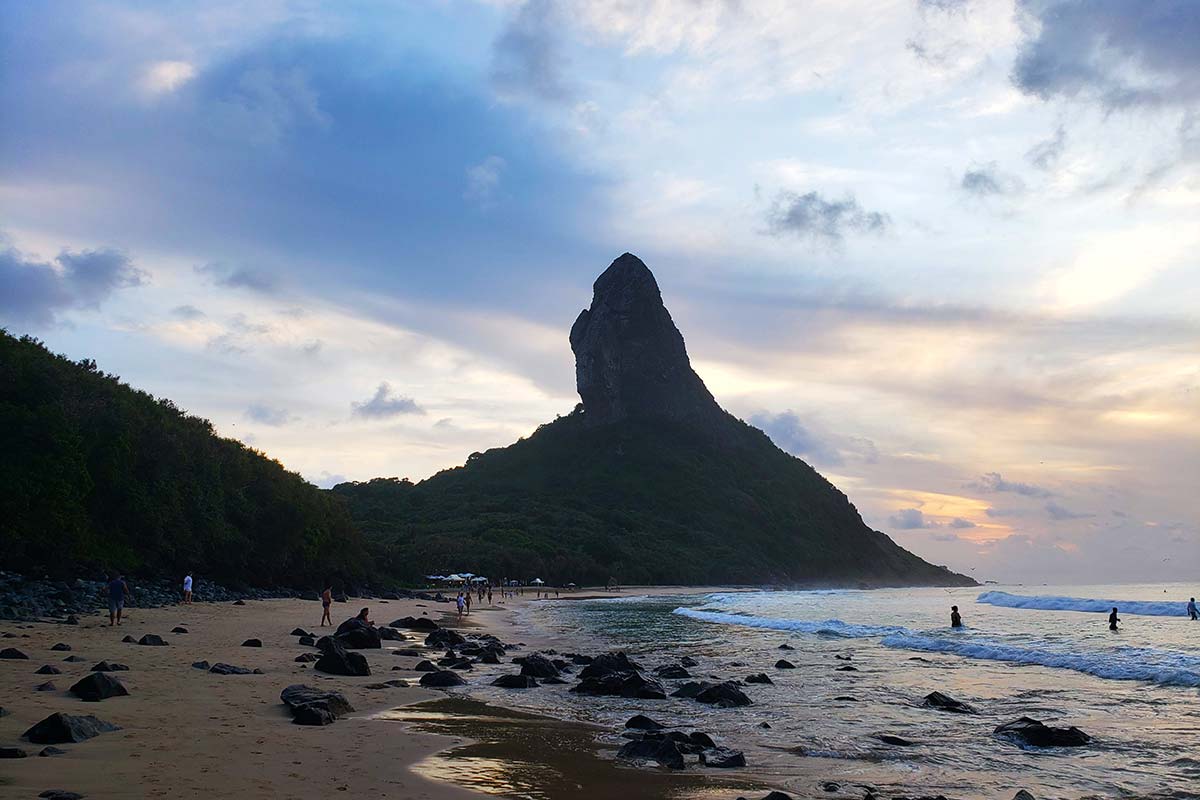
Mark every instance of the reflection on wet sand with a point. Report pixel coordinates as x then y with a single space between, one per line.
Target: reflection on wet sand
519 755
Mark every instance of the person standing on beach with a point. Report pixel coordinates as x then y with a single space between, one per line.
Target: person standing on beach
187 589
1113 619
118 590
1192 609
490 594
468 599
955 617
461 603
326 601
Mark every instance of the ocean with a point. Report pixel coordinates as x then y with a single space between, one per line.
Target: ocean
1044 652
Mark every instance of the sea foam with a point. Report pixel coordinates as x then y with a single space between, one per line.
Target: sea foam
829 627
1153 608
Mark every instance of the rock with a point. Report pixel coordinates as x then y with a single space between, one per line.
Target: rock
48 686
358 635
1023 795
425 666
621 684
444 637
306 658
766 726
846 668
553 682
12 752
230 669
639 722
944 702
537 665
758 677
74 659
784 664
722 758
179 629
489 658
61 647
127 639
46 752
107 666
97 686
701 740
786 646
840 657
336 660
630 360
687 661
897 741
252 643
831 786
48 669
663 751
62 728
672 672
846 698
441 679
239 602
608 663
457 663
152 640
515 681
13 653
311 706
60 794
299 632
1031 732
307 641
725 695
391 635
415 623
204 665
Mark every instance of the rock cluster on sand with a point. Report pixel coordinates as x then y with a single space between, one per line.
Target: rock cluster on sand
62 728
1030 732
337 660
97 686
311 706
668 749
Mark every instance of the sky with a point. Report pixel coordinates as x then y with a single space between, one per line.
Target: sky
946 251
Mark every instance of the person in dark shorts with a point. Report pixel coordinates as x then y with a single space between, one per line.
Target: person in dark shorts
1113 619
326 601
118 590
955 617
1191 608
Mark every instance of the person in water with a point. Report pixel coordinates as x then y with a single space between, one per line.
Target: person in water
1192 614
1113 619
955 617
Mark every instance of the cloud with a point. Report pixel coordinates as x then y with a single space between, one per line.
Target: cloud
384 404
811 216
34 291
527 57
187 312
1058 512
327 480
985 180
266 415
1045 154
238 277
1120 54
910 519
793 436
1002 513
992 482
163 77
483 179
959 522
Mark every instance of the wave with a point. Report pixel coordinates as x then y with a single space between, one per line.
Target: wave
1153 608
1123 664
829 627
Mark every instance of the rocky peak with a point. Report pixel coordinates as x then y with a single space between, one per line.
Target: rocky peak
630 359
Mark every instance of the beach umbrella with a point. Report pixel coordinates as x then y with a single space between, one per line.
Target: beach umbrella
538 581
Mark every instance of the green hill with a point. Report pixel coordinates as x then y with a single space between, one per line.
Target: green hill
95 474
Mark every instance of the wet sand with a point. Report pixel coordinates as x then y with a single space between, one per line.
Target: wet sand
189 732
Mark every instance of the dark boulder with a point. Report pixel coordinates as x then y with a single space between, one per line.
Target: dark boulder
415 624
896 741
444 637
1031 732
358 635
46 752
672 672
48 686
724 695
252 643
109 666
71 659
516 681
13 653
179 629
537 665
425 666
60 794
687 661
608 663
311 706
391 635
758 677
665 752
12 752
61 647
442 679
784 664
127 639
337 660
722 758
204 665
846 668
48 669
621 684
306 658
152 640
96 686
62 728
638 722
230 669
944 702
299 632
411 652
786 647
307 641
239 602
843 658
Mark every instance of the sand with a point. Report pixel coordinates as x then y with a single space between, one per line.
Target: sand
189 733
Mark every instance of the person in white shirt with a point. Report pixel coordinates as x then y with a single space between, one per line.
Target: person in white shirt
187 589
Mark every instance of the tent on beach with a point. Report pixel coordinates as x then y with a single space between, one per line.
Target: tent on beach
537 581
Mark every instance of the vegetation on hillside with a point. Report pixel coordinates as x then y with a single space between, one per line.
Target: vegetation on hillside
639 502
96 474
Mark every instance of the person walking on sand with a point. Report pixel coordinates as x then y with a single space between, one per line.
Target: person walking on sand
187 589
955 617
118 590
326 601
490 596
1192 614
468 600
461 603
1113 619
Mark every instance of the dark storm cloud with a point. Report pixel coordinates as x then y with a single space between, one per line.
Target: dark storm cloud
811 216
34 291
1119 53
527 58
385 404
993 482
985 180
